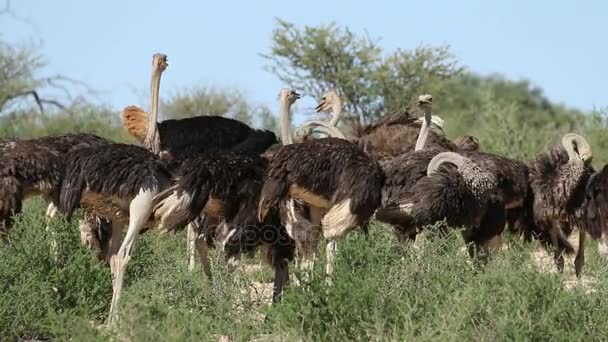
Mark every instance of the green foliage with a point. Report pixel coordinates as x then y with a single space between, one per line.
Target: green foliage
380 292
315 59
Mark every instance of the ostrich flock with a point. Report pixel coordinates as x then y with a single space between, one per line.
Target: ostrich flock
240 189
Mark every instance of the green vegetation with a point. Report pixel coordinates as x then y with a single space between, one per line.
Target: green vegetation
380 292
432 292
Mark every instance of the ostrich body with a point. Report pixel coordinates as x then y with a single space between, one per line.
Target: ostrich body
340 183
558 179
229 201
34 167
465 195
180 138
405 171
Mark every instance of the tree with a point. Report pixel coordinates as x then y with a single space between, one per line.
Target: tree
315 59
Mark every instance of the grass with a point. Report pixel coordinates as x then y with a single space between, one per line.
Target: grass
432 292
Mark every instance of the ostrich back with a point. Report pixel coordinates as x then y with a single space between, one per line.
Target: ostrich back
402 172
115 170
233 177
398 136
63 144
511 175
446 195
558 188
203 133
60 144
333 168
35 168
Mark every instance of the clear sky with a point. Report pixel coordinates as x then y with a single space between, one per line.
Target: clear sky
559 45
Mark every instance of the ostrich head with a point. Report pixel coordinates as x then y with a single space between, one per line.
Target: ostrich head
479 181
330 102
577 147
467 143
425 102
287 97
152 140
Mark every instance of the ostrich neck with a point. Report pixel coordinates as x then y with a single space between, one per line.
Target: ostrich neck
152 140
286 137
337 115
424 131
444 157
572 155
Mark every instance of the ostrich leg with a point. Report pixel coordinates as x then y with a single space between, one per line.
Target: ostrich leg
305 232
558 256
330 252
191 244
51 211
579 261
338 221
139 213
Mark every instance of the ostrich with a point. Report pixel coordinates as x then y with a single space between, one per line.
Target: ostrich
339 183
229 203
467 195
405 169
595 210
558 179
117 182
34 167
179 139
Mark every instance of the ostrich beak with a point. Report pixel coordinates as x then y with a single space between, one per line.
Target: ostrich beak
323 106
586 157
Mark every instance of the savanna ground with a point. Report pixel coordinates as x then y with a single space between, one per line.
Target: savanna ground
430 292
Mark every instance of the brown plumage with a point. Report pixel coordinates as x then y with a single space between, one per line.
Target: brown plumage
333 177
558 180
34 167
229 201
405 171
400 132
466 195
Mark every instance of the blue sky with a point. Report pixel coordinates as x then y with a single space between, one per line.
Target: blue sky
558 45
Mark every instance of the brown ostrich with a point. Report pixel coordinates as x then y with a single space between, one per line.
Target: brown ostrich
34 167
559 179
467 195
339 183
